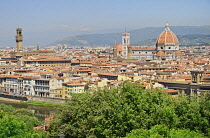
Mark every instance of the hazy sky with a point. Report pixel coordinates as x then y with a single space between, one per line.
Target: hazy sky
45 21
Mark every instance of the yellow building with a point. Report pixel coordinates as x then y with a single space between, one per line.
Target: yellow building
71 87
102 83
58 93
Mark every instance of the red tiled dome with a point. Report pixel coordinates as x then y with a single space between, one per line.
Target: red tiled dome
167 36
160 53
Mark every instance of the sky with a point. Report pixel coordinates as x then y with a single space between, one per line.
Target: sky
45 21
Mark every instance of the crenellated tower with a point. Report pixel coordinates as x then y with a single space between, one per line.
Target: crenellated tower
19 39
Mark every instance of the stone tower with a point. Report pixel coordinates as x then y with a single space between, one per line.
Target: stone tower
125 44
19 39
129 56
37 47
197 76
115 50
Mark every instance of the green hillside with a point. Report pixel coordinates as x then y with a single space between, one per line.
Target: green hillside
140 36
184 40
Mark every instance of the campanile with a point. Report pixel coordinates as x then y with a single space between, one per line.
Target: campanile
19 39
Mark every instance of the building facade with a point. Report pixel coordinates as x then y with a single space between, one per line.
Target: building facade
167 47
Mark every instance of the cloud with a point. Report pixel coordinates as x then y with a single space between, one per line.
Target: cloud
75 28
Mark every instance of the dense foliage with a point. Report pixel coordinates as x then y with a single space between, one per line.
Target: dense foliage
117 112
162 131
18 123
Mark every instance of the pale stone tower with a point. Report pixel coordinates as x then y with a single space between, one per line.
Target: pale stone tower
125 44
19 39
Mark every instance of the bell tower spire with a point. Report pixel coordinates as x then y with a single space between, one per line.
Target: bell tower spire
125 44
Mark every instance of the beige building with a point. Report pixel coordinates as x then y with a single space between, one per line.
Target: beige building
71 87
50 62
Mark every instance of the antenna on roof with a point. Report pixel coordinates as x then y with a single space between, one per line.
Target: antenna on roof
125 29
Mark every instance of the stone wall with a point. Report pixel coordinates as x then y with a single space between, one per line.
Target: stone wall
14 97
46 99
33 98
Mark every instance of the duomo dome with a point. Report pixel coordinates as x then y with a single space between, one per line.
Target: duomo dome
167 41
167 37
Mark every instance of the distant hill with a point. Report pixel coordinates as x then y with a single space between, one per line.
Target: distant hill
184 40
146 36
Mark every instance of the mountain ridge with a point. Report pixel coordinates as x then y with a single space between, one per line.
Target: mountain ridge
137 36
184 40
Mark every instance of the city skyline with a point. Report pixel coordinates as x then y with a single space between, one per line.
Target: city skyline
48 21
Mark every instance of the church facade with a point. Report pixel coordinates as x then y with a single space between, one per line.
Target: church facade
167 47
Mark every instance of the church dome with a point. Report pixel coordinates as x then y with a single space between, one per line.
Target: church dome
167 37
160 53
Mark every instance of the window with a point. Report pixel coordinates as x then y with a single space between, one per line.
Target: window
169 47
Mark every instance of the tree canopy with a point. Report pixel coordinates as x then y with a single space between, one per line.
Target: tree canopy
18 123
162 131
119 111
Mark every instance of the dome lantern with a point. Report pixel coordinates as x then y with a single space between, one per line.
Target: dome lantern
167 27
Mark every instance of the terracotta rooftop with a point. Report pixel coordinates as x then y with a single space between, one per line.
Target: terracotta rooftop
178 53
160 53
119 47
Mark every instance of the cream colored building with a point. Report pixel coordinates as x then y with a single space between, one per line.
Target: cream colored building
51 62
70 87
